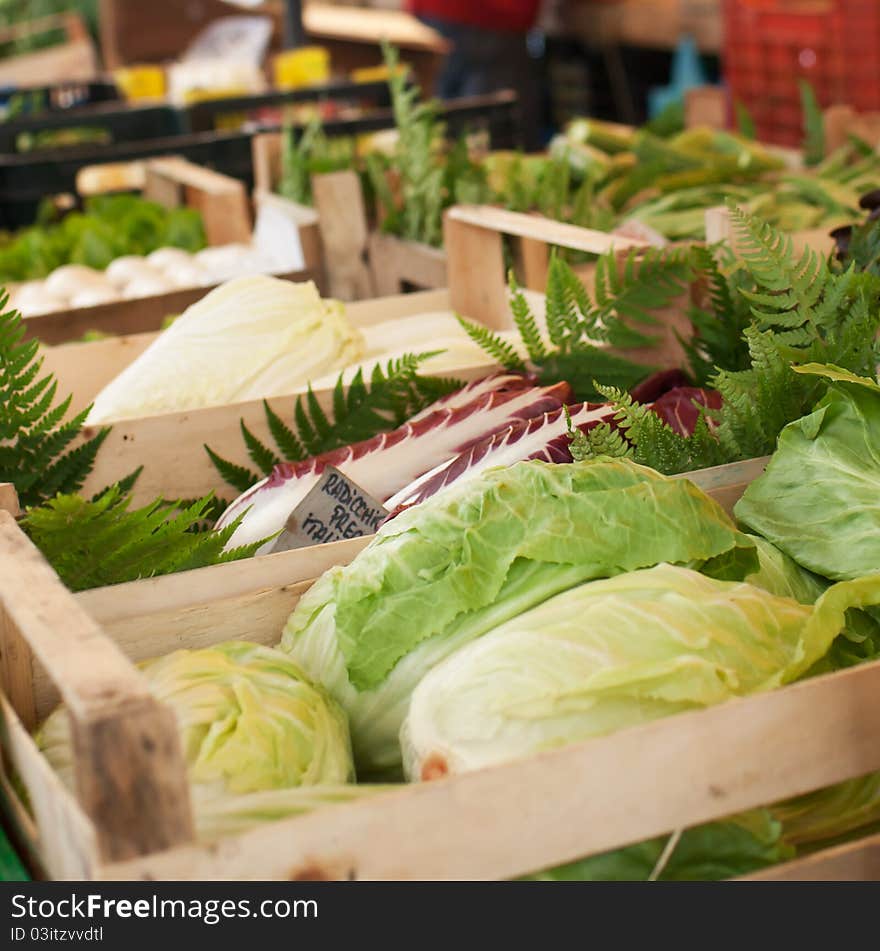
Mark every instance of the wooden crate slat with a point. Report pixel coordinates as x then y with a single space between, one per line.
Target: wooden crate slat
9 499
129 766
850 862
558 806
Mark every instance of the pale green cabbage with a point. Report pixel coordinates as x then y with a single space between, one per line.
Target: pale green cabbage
819 499
482 551
250 338
249 722
612 654
782 576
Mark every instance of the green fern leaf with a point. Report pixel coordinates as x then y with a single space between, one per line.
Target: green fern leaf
237 476
496 347
261 456
103 541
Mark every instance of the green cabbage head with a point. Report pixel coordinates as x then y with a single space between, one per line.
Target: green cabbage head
612 654
249 721
483 551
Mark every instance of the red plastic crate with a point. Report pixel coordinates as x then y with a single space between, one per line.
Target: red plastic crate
770 45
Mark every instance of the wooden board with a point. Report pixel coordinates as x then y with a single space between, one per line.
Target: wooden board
156 32
699 766
495 823
656 24
9 499
398 265
221 200
71 61
342 221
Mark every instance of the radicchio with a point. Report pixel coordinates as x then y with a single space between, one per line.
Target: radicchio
547 438
387 462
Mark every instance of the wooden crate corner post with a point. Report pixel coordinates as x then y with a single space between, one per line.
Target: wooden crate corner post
342 222
129 769
221 200
473 239
9 499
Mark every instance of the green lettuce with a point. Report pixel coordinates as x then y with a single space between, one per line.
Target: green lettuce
709 852
819 499
783 576
479 553
831 815
613 654
249 721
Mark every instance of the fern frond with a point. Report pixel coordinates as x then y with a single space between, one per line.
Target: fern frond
237 476
35 441
525 322
396 391
103 541
495 346
261 455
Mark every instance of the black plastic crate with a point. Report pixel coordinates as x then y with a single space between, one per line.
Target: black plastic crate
205 116
26 179
38 100
117 122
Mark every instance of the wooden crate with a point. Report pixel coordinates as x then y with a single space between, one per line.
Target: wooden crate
75 59
170 181
842 121
334 232
740 755
170 446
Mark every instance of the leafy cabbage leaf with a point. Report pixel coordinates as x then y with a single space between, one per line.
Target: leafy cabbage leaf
613 654
819 498
709 852
479 553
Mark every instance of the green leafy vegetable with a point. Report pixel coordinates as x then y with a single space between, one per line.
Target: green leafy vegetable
111 226
817 500
484 550
709 852
615 653
249 720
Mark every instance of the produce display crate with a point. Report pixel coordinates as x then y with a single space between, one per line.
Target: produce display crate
489 824
116 122
343 97
69 94
769 45
74 59
360 264
170 445
26 179
171 181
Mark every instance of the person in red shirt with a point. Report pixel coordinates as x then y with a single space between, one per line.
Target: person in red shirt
489 50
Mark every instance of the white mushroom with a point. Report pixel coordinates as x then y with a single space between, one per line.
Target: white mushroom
124 270
166 258
147 287
69 280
